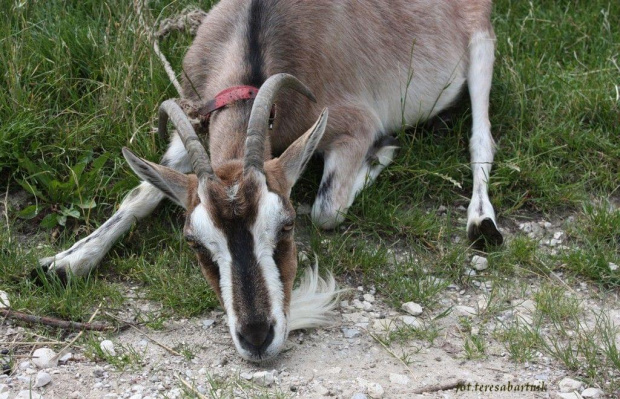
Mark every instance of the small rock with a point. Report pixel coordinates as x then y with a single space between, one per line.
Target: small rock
359 395
207 323
351 332
441 210
412 308
479 263
469 272
369 298
411 321
264 378
613 267
375 390
4 395
24 365
4 388
107 347
399 379
558 395
28 394
246 376
467 311
570 385
98 372
43 379
594 393
44 358
65 358
4 300
136 396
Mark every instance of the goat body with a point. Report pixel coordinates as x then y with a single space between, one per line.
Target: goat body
371 63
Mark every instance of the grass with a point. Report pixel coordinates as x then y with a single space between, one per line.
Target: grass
80 81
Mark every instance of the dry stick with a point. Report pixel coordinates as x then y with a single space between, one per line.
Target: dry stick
390 351
191 388
147 336
51 321
140 10
439 387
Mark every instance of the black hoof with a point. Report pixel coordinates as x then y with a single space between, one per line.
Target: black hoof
484 235
41 275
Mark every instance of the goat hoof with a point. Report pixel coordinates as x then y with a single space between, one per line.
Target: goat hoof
485 234
42 275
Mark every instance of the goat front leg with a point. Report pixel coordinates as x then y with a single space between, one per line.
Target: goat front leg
352 161
481 224
87 253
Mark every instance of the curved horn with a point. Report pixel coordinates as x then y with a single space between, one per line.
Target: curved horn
198 156
259 118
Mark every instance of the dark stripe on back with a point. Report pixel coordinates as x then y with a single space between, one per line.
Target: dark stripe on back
254 55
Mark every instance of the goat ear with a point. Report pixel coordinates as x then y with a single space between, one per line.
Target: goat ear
173 184
293 161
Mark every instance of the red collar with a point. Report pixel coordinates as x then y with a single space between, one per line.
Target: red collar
225 98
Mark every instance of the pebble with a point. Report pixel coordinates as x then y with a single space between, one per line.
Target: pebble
246 376
351 332
369 298
479 263
65 358
399 379
207 323
44 358
384 325
467 311
107 347
359 395
321 390
594 393
570 385
613 267
264 378
411 321
375 390
43 379
558 395
4 395
412 308
4 300
4 388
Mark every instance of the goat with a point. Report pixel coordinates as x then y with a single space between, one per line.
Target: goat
358 59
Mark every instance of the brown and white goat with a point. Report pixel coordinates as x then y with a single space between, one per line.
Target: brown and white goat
370 63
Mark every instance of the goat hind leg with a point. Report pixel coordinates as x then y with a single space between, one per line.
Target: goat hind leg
87 253
481 225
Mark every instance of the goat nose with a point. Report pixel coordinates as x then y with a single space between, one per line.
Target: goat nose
256 337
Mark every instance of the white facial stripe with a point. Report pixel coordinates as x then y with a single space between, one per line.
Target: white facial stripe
265 231
215 241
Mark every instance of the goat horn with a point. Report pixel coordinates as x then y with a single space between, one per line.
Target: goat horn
198 156
259 118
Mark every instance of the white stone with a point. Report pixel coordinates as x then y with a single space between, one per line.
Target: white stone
321 390
24 365
27 394
411 321
399 379
594 393
351 332
246 376
4 395
559 395
467 311
264 378
384 325
4 388
43 379
359 395
479 263
375 390
65 358
613 267
136 396
369 298
412 308
4 300
570 385
207 323
44 358
107 347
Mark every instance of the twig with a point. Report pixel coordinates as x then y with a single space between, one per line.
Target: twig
191 388
439 387
54 322
390 351
142 16
147 336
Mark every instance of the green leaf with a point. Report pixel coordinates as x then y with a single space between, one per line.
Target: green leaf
88 204
50 221
62 219
29 212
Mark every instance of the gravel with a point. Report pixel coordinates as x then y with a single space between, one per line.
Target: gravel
568 385
412 308
44 358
